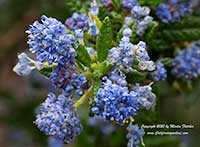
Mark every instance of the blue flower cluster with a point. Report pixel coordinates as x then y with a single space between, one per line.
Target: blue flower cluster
145 96
57 118
143 57
115 103
123 54
118 77
187 64
77 21
50 41
135 135
141 17
160 73
129 4
173 11
94 8
52 44
67 78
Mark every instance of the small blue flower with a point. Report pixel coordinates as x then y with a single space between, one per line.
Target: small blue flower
118 77
77 21
129 4
50 41
135 135
93 30
160 73
57 118
164 13
94 8
140 12
143 25
186 64
107 3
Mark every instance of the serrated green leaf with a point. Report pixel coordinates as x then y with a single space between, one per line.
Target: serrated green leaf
181 35
46 71
104 40
83 56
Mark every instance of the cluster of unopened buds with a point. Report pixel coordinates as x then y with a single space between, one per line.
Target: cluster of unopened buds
101 83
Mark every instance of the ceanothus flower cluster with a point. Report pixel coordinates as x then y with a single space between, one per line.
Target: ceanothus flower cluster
135 135
57 118
55 49
123 55
143 57
129 4
50 41
145 96
160 73
77 21
115 103
141 17
173 11
67 78
186 64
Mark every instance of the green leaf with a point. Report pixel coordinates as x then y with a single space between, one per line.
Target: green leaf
150 2
97 85
166 61
181 35
134 76
100 69
151 30
116 4
46 71
104 40
102 13
76 6
83 56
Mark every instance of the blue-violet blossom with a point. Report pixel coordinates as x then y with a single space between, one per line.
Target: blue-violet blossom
50 41
57 118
